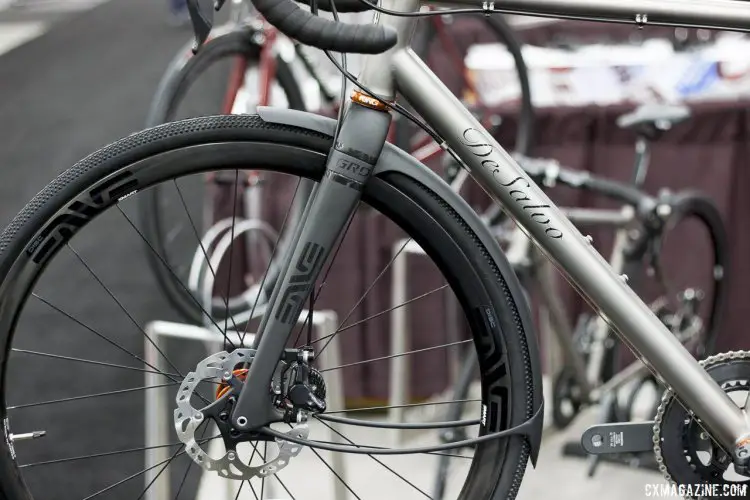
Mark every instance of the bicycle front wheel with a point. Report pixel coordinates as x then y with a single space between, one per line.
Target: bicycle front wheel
68 271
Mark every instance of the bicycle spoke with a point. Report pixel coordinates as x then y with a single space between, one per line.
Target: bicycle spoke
335 474
171 377
137 474
231 252
372 360
89 396
158 474
276 476
190 465
376 459
133 476
177 279
253 490
376 408
263 480
452 455
101 336
315 295
239 490
122 307
270 262
92 362
292 497
96 455
380 313
184 478
203 248
367 292
440 453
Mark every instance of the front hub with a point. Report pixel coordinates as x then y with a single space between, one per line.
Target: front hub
296 391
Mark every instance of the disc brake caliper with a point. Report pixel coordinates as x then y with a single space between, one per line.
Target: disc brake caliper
223 367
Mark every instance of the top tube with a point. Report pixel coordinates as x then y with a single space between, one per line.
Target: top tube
730 15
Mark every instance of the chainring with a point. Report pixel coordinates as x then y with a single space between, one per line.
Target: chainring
686 455
187 419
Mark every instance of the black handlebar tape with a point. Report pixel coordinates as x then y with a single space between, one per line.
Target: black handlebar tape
583 180
325 34
615 190
342 6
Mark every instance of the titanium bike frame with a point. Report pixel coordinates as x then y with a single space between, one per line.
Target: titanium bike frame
521 250
360 140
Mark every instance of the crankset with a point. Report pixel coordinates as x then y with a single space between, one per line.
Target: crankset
296 391
684 452
626 437
612 441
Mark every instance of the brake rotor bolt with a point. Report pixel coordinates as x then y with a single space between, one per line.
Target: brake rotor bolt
227 375
231 455
198 416
224 415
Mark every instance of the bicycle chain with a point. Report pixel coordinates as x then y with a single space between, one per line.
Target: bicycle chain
669 396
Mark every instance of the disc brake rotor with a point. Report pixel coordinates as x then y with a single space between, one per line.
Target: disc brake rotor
220 368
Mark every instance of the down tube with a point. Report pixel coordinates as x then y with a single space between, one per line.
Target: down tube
508 184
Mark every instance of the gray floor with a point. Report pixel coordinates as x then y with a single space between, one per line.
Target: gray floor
558 477
565 478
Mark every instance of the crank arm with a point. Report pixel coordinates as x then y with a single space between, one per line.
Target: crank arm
627 437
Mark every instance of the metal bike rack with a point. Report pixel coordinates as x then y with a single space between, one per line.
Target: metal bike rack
399 319
399 365
159 408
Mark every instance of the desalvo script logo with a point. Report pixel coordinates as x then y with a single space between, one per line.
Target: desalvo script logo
521 189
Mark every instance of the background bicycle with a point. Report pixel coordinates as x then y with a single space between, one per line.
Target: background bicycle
248 64
594 370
